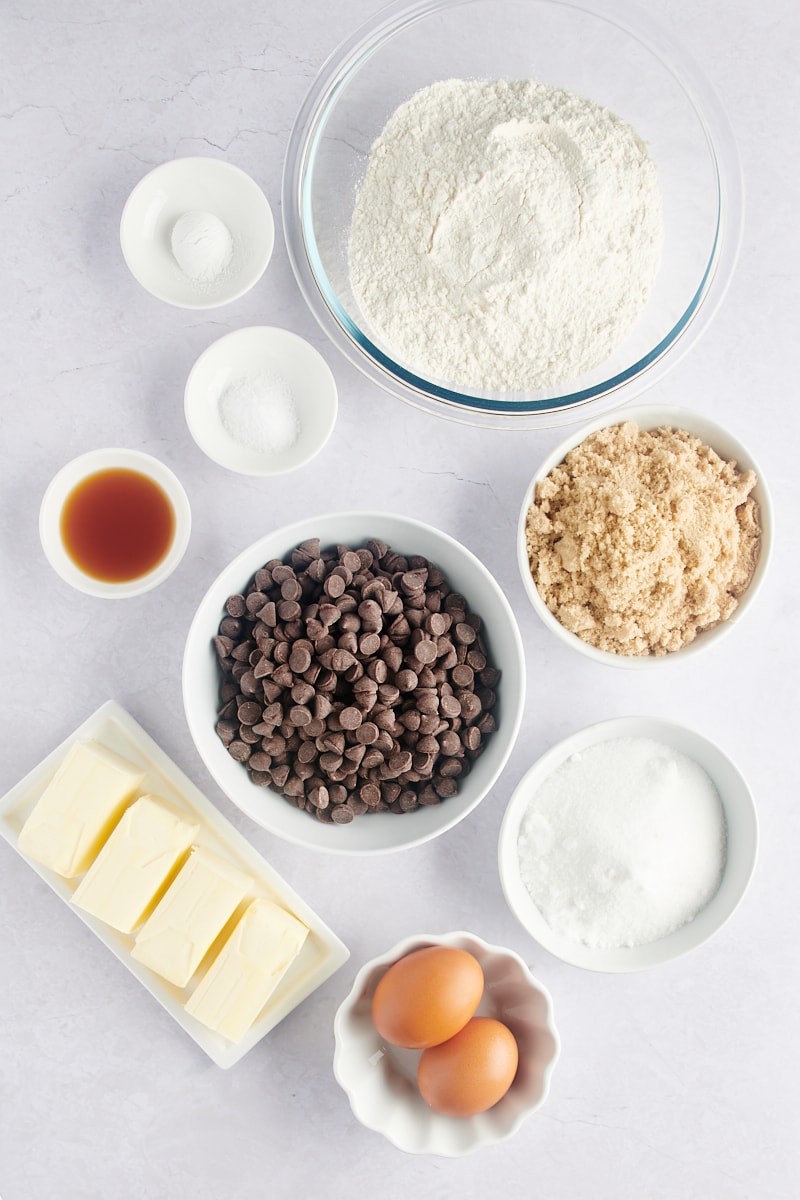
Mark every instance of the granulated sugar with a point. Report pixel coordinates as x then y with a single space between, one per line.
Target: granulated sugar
623 844
506 235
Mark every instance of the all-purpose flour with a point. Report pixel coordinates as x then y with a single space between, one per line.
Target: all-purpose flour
506 235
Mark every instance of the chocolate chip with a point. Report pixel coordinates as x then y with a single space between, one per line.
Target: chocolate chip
291 589
378 670
369 644
367 733
282 675
450 744
471 737
351 561
437 624
406 680
350 718
341 660
334 586
289 610
425 651
342 814
347 669
223 645
226 731
445 786
249 713
300 658
463 675
239 750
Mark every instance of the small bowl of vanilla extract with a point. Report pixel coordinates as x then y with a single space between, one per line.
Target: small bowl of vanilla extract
114 523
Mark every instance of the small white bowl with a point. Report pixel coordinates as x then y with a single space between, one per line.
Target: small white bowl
190 185
653 417
380 1080
741 850
69 477
371 833
248 352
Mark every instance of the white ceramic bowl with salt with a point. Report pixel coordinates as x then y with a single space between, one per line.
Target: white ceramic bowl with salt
739 859
261 401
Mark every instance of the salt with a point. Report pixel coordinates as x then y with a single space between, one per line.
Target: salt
623 844
259 412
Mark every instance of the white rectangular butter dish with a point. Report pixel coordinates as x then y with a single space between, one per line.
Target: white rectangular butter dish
322 952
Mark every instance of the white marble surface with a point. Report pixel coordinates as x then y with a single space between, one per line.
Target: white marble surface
682 1082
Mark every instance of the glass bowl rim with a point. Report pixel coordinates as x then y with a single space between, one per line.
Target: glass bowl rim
492 409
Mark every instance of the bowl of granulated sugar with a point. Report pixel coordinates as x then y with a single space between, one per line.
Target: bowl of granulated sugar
628 844
261 401
446 192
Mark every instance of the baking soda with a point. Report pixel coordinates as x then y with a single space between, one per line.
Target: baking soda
201 245
623 844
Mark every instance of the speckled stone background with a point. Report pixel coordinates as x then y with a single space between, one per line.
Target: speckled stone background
675 1084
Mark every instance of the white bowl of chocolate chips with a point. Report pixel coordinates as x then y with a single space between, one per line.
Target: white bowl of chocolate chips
355 682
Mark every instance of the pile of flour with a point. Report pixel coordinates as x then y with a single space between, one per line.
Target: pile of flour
506 235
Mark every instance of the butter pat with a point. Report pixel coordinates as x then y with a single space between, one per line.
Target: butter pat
79 808
130 873
254 959
192 912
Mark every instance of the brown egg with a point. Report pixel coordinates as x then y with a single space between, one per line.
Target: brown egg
427 996
470 1072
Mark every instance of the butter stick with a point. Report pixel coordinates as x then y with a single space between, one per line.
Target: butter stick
264 943
192 912
79 808
127 878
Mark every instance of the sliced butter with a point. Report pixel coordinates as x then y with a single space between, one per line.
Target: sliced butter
79 808
127 878
248 968
192 912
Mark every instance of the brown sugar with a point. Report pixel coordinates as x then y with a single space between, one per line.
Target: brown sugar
639 540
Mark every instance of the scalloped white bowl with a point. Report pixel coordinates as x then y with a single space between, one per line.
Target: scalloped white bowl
380 1080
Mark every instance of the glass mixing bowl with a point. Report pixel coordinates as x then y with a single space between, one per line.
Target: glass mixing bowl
605 50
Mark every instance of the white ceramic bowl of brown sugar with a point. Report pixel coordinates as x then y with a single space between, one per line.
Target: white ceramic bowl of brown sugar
645 547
